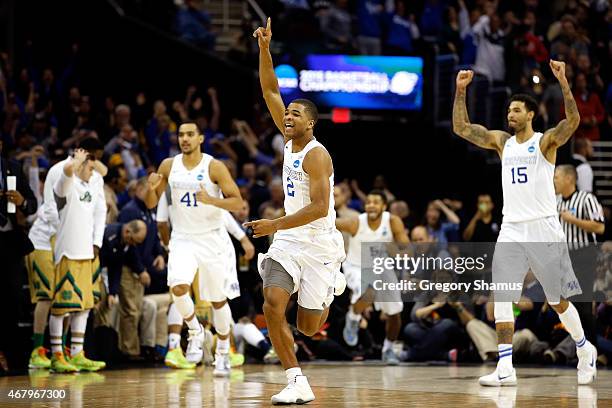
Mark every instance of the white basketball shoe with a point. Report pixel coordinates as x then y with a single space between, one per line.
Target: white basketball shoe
296 392
194 348
587 363
499 378
222 365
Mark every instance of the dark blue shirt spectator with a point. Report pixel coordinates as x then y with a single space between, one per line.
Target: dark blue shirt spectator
118 251
370 16
150 252
432 17
159 138
401 31
151 247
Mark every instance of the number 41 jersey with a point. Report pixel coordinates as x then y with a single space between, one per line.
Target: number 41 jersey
189 215
527 181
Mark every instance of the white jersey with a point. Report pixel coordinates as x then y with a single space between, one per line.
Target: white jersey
164 214
297 193
188 215
47 218
82 215
527 181
365 234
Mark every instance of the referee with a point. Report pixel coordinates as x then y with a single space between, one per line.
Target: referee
582 220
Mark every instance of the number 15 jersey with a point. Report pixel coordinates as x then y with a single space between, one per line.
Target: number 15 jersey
189 215
527 181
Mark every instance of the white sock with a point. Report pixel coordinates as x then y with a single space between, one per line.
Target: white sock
249 332
292 373
76 345
571 321
78 325
174 317
505 356
351 315
56 329
184 305
388 344
79 321
222 346
174 341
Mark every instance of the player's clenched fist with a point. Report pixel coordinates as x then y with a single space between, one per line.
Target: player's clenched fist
558 69
464 77
261 228
203 196
154 180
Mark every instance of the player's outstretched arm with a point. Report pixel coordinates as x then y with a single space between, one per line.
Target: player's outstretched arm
157 182
318 165
477 134
231 201
267 77
560 134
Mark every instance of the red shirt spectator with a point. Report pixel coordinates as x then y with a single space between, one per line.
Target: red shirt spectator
591 110
535 48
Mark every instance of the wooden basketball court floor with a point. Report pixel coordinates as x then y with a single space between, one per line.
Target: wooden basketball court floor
335 385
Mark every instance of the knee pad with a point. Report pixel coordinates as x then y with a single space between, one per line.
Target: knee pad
503 312
174 317
184 305
222 319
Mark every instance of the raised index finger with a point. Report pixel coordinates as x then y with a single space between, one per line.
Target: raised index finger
249 223
269 25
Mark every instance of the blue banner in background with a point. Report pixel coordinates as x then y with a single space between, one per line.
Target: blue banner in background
352 81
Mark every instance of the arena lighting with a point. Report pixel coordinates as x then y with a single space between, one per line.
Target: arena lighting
341 115
535 79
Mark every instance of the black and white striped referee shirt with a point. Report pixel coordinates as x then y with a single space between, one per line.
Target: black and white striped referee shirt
583 205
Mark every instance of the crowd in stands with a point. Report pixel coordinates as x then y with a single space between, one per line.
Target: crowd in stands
45 115
507 43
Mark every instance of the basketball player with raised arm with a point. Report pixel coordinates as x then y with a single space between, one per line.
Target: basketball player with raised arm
530 216
201 188
373 226
307 249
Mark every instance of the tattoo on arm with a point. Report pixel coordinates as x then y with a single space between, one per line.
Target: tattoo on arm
566 128
571 109
461 122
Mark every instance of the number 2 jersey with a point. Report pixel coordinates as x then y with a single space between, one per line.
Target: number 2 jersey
190 216
527 181
296 183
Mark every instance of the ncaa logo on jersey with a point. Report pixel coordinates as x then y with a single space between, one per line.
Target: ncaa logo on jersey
296 163
531 149
200 177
